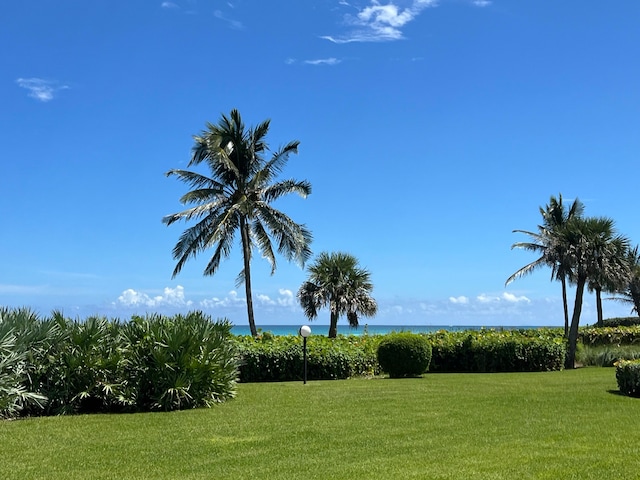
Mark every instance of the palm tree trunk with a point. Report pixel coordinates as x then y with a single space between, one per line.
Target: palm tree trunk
599 307
333 326
570 361
246 253
566 307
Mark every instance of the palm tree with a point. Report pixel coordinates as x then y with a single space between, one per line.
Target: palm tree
336 281
237 197
554 217
612 270
630 291
586 241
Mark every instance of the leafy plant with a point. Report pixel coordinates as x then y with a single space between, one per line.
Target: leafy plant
404 354
628 377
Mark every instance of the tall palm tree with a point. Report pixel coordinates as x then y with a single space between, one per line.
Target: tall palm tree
585 242
237 197
629 292
336 281
554 217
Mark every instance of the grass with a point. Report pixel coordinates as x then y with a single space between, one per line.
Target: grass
556 425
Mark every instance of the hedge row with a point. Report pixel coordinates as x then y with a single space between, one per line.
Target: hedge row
280 358
497 351
270 358
60 366
621 335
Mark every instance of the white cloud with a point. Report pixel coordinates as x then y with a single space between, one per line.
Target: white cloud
232 23
286 298
510 297
481 3
41 89
380 23
173 297
484 298
323 61
168 5
461 299
232 299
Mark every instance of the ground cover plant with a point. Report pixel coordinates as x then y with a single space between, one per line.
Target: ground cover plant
570 424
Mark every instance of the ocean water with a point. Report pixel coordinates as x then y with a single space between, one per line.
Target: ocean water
369 329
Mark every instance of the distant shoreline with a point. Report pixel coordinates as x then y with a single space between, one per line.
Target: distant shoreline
319 329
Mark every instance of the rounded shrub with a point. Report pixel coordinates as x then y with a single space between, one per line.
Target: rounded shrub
404 354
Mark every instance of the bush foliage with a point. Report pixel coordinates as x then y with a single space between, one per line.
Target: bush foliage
61 366
621 335
269 358
628 377
622 322
497 351
404 354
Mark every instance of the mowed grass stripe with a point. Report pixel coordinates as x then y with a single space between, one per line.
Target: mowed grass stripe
556 425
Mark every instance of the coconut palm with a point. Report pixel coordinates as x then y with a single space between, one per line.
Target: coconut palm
336 281
554 217
237 197
586 242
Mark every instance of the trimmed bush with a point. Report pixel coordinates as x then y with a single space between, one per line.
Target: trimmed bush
404 354
497 351
270 358
628 377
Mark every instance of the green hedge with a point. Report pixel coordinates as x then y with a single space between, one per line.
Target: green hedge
497 351
595 336
270 358
628 377
279 358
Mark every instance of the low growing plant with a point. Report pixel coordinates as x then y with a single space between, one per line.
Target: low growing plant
404 354
628 377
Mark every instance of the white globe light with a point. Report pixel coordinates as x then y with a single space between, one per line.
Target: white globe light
305 331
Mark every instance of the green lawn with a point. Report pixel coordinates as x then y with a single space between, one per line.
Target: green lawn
557 425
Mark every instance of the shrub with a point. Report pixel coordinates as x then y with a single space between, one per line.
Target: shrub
610 335
622 322
184 361
628 377
270 358
61 366
497 351
404 354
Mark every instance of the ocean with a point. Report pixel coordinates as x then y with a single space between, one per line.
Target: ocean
369 329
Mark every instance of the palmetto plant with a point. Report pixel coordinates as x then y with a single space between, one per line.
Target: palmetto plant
236 198
179 362
21 338
338 282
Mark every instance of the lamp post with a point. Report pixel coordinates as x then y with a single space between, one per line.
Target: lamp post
304 332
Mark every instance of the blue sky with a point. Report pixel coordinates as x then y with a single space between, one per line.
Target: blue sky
428 129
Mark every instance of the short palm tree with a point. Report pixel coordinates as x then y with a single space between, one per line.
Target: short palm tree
336 281
630 291
554 217
237 197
